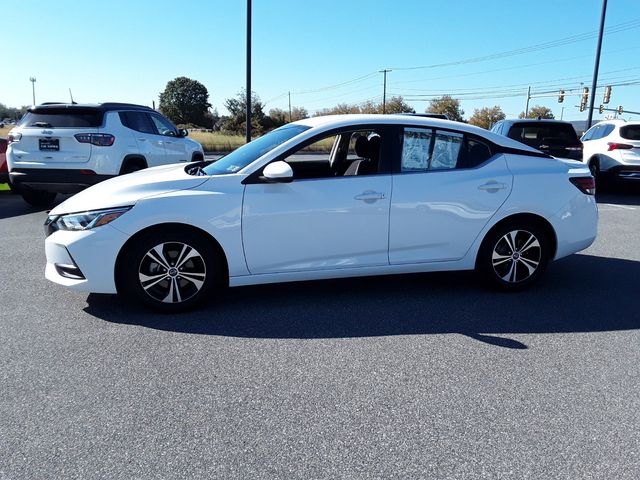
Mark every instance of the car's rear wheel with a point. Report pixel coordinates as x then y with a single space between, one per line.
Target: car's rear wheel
171 272
37 198
514 256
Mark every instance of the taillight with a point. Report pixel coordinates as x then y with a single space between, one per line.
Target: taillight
619 146
14 137
98 139
586 185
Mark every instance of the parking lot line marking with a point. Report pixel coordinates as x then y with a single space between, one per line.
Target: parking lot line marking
625 207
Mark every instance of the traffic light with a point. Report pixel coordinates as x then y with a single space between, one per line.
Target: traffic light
620 110
584 98
607 94
601 109
561 96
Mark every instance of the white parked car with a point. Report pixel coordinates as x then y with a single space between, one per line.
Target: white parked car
612 148
63 148
326 197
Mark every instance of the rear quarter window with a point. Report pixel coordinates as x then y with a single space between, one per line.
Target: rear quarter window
62 118
630 132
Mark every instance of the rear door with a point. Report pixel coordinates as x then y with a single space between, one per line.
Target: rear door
49 135
445 189
150 143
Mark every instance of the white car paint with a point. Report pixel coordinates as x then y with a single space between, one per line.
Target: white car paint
598 148
332 227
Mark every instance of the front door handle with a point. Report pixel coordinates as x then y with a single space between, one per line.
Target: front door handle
369 196
492 186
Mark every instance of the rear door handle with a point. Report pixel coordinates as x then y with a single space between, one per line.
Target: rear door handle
492 186
369 196
142 139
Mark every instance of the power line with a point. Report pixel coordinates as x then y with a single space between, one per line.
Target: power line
629 25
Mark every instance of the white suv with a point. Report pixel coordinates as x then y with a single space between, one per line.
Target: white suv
612 148
64 148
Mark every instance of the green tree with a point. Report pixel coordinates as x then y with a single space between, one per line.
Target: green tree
236 122
538 112
185 101
486 117
447 105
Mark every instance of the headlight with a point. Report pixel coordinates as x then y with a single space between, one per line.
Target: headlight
84 220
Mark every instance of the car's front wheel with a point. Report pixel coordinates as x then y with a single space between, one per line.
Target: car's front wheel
514 256
37 198
171 272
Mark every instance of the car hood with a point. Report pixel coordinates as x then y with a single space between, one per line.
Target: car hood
127 189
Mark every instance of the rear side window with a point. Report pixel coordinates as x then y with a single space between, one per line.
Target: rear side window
138 121
62 118
536 134
426 149
630 132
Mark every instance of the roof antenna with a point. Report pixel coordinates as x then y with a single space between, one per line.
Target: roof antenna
71 95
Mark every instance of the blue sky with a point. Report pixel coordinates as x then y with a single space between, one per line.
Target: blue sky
128 50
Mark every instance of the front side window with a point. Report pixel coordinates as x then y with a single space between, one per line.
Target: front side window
164 126
250 152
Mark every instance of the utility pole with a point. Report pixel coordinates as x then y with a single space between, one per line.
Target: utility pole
597 65
289 106
526 109
384 91
248 91
33 88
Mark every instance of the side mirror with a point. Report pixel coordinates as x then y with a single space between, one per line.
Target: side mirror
183 132
278 172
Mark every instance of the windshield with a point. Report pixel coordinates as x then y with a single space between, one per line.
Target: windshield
243 156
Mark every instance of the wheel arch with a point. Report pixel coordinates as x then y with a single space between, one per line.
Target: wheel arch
165 227
133 158
520 218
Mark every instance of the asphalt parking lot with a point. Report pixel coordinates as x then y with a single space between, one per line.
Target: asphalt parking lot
420 376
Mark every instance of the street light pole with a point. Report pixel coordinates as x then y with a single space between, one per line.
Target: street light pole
526 109
33 88
597 65
248 90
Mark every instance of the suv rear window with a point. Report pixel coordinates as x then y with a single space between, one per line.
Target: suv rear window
536 134
62 118
630 132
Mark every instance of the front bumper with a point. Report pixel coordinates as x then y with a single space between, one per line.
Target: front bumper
59 180
84 260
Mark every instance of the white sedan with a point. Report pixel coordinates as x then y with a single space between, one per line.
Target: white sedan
322 198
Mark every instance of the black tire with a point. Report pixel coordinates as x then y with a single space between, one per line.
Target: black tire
158 271
514 269
37 198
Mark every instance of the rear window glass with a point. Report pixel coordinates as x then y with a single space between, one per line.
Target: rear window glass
64 118
539 134
630 132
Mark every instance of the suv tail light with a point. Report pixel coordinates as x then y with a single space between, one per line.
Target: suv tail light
619 146
14 137
98 139
586 185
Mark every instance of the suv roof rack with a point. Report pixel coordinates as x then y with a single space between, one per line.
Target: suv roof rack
118 106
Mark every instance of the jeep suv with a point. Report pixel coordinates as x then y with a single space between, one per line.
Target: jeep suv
64 148
554 137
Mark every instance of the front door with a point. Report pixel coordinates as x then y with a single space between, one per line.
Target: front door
328 217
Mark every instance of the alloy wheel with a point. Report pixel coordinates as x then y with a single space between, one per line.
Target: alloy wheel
516 256
172 272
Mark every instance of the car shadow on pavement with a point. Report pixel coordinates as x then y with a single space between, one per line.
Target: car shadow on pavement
568 299
12 205
619 194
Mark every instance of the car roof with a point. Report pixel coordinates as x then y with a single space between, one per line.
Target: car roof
537 120
338 121
104 107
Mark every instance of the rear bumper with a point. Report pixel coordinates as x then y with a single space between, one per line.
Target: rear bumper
55 179
625 172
